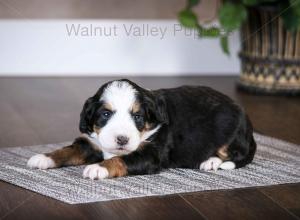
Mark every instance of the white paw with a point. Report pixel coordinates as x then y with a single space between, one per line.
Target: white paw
40 161
213 163
227 165
95 171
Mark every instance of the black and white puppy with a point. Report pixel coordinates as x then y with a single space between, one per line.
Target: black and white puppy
128 130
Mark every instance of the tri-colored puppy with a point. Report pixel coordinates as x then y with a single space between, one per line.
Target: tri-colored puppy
128 130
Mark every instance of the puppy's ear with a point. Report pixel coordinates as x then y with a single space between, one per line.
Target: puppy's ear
89 108
156 109
161 109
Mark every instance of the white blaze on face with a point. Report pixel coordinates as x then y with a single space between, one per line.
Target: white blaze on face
121 97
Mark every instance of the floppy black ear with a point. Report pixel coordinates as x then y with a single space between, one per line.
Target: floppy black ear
161 110
86 116
89 109
156 109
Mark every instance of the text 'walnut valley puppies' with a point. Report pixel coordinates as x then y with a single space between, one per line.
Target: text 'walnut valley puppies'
128 130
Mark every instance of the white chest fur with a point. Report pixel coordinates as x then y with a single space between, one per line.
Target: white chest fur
108 155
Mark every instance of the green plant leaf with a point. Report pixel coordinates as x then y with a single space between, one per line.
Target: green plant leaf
224 44
188 19
232 15
291 21
291 15
295 5
209 32
192 3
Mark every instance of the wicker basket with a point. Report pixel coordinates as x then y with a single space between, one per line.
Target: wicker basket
270 55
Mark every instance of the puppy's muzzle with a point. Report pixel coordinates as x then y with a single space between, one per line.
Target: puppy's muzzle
122 140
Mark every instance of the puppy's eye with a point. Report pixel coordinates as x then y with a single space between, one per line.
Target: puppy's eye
137 117
106 114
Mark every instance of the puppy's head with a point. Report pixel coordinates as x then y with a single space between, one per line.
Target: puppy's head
123 115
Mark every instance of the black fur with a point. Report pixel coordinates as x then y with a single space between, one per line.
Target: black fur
88 152
196 121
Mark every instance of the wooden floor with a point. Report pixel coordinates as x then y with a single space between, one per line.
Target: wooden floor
40 111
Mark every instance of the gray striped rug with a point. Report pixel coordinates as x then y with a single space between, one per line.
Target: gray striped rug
276 162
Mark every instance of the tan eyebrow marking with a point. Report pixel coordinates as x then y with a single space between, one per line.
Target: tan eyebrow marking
136 107
107 106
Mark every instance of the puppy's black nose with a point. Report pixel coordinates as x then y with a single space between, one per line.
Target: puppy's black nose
122 140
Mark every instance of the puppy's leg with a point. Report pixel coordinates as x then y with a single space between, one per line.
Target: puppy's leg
82 151
142 161
226 164
242 149
221 160
114 167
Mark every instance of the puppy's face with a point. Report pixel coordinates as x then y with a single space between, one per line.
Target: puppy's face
121 117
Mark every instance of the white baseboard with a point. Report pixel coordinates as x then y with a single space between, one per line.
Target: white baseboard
45 48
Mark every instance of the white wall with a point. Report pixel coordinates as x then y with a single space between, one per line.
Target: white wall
44 47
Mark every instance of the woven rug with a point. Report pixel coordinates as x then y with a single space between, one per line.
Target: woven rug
276 162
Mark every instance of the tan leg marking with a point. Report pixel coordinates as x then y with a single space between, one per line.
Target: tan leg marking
222 152
69 155
115 166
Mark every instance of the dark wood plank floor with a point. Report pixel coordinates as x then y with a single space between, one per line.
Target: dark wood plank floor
46 110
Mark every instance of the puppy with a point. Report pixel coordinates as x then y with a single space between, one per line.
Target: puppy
128 130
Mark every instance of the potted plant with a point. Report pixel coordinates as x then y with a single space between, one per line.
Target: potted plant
270 41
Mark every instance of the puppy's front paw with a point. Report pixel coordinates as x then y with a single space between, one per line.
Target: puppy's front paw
40 161
95 171
213 163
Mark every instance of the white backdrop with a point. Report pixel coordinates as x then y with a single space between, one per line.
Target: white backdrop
110 47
